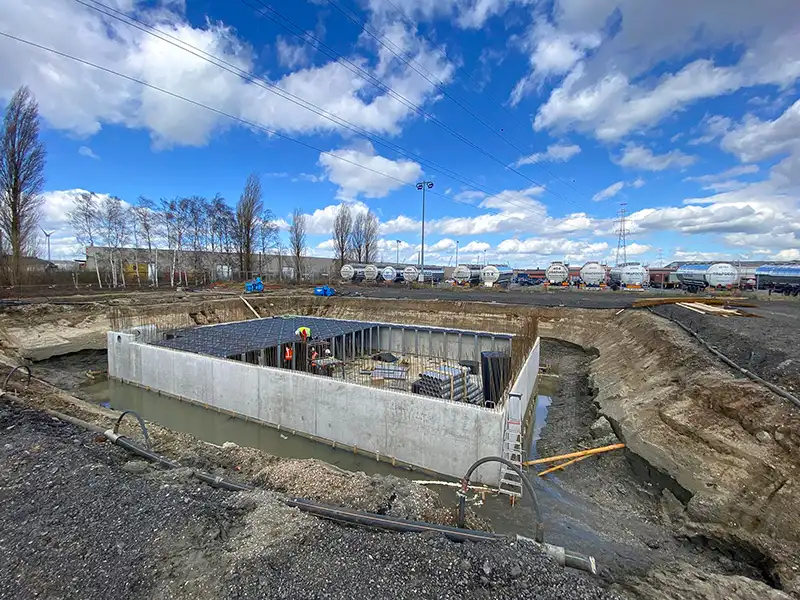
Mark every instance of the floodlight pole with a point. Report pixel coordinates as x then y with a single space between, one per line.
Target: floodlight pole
423 185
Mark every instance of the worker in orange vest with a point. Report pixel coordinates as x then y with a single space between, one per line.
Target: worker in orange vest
288 354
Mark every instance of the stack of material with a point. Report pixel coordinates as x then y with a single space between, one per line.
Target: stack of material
450 383
390 372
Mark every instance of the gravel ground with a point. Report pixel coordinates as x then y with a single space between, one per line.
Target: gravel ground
767 346
82 520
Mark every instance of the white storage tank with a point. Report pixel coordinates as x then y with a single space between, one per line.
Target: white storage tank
389 273
370 272
557 272
467 274
433 275
348 272
410 273
492 275
593 273
629 274
717 275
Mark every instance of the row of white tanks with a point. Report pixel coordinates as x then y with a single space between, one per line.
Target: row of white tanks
489 275
593 274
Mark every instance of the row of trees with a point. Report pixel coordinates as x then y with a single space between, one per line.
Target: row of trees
203 235
22 162
355 239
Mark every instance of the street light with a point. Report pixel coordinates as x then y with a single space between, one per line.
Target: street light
47 235
398 251
456 252
423 185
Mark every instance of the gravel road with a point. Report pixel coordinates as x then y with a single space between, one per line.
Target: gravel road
82 520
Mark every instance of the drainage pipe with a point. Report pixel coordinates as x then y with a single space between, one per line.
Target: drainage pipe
770 386
561 555
538 527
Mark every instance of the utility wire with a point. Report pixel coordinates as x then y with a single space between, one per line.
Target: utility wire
307 38
469 109
265 84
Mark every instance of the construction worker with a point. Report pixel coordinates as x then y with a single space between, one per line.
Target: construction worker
288 354
303 332
314 354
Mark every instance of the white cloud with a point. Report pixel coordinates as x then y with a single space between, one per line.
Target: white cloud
609 192
607 91
371 181
554 152
755 140
81 100
639 157
475 247
292 55
320 222
467 14
637 183
86 151
732 172
443 244
542 248
636 249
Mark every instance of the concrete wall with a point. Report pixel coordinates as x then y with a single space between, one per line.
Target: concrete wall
526 379
455 345
443 436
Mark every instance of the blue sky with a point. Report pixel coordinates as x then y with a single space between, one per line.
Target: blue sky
533 119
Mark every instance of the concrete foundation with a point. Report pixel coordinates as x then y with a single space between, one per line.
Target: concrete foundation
438 435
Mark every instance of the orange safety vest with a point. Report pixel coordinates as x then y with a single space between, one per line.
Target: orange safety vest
288 353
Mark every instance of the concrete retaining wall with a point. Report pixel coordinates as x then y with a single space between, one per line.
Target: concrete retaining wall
526 379
439 435
455 345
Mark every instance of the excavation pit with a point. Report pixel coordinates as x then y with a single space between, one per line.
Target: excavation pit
434 398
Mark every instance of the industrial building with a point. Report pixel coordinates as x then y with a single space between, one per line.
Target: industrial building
428 397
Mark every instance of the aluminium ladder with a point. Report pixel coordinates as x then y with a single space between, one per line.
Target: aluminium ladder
510 483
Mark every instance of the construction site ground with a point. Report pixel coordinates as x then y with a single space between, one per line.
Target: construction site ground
659 544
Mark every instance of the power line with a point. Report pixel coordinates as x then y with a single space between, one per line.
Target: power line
304 36
468 109
264 84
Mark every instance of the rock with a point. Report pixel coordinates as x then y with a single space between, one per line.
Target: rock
672 509
763 437
515 570
682 580
779 437
136 466
7 446
601 428
486 568
229 445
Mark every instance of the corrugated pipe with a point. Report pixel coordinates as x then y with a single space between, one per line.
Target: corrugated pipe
561 555
770 386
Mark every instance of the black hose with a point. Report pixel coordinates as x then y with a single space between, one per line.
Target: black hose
538 526
26 367
141 424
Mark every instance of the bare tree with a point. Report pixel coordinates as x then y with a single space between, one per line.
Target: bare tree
114 234
84 219
268 235
147 223
22 160
357 238
196 212
297 241
371 230
247 212
342 229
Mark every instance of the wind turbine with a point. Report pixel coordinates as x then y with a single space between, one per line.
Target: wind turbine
47 235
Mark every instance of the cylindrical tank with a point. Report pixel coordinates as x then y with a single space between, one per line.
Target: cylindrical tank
557 272
389 273
467 274
593 273
410 273
786 276
348 272
629 274
370 272
433 275
492 275
717 275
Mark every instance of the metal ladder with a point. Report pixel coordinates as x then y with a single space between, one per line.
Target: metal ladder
510 483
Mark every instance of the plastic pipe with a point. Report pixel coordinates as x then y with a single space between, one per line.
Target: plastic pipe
590 452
